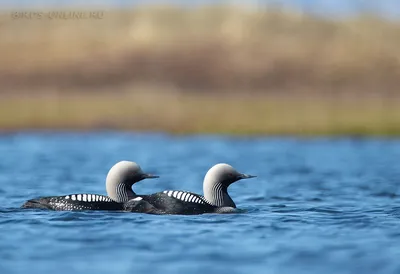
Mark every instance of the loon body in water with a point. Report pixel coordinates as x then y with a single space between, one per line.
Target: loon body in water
119 182
215 200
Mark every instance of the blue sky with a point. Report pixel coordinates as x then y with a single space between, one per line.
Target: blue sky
386 8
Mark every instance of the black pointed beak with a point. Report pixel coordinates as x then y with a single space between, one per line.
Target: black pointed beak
150 176
246 176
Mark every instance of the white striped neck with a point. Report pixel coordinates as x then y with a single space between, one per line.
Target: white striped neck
123 193
217 195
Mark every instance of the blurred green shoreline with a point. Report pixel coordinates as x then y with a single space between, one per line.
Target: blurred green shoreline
215 69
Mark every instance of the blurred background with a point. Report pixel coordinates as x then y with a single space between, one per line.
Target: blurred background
304 67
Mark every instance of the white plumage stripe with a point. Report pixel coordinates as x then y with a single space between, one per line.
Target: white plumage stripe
184 195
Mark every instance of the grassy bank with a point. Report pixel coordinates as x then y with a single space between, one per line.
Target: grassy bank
190 113
215 69
207 48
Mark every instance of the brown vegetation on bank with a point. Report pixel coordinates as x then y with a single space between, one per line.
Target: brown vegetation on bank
214 48
192 70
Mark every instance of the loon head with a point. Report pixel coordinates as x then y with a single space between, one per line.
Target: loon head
120 179
217 181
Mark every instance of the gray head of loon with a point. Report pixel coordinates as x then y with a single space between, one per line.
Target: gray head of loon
216 182
121 178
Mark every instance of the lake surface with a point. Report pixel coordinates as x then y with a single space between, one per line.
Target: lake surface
317 205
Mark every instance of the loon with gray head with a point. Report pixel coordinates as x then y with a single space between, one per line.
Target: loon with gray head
215 200
119 182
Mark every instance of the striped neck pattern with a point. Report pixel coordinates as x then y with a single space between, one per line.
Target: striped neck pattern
217 195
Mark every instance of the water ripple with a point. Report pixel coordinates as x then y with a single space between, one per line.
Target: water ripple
317 206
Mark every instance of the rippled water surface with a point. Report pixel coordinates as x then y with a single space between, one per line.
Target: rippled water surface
317 206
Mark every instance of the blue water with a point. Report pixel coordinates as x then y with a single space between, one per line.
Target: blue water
317 206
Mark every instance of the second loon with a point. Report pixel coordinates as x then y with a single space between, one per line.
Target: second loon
119 182
215 200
